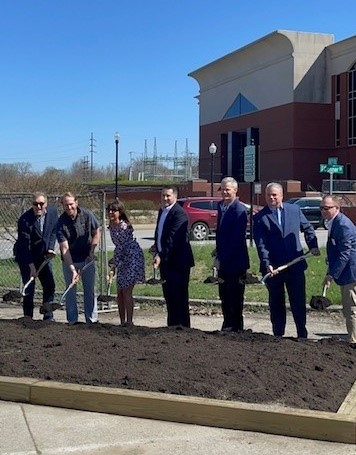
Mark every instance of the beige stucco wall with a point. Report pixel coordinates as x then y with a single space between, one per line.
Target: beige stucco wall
266 72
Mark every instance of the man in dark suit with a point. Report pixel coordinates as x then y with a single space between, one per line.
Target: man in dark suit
276 233
231 256
36 239
341 252
174 257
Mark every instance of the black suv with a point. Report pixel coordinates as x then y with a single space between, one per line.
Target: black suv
310 206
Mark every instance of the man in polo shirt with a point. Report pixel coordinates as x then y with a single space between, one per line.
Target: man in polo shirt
78 233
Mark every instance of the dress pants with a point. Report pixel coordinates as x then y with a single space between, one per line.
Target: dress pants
176 294
47 281
294 282
348 295
231 292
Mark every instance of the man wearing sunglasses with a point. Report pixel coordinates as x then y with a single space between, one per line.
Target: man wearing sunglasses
36 239
341 253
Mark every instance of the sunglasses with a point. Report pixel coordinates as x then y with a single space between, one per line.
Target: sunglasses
36 204
326 207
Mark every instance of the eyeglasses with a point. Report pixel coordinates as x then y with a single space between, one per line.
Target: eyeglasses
326 207
36 204
112 210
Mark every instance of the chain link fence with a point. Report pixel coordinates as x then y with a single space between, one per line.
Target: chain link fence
12 206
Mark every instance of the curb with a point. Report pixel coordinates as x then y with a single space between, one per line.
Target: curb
325 426
247 305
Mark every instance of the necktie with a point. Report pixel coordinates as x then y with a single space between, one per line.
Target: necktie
277 213
39 223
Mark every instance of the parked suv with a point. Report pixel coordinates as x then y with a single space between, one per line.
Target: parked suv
202 215
310 206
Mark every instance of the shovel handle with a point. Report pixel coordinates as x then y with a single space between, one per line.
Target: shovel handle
325 288
27 285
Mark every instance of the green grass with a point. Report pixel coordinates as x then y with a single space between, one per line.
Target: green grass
254 292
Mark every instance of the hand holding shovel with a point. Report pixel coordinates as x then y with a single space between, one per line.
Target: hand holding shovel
48 257
50 306
285 266
108 297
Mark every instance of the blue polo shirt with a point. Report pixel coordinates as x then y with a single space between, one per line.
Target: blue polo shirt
78 232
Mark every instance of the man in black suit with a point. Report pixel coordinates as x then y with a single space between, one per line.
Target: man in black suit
36 239
174 257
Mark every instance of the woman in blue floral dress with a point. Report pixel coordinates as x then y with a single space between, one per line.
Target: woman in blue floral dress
128 260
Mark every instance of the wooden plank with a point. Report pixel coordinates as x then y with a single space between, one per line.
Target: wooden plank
349 404
309 424
15 389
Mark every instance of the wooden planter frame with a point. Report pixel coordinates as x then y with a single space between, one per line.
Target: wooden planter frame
325 426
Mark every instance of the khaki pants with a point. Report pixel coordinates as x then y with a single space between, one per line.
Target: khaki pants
348 296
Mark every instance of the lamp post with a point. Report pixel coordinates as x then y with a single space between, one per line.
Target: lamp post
212 150
117 140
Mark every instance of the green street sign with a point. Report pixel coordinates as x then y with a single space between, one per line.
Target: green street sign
332 169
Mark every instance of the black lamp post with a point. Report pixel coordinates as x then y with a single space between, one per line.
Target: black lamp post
117 140
212 150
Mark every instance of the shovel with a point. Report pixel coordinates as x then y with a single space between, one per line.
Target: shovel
320 302
213 279
285 266
155 279
49 256
50 306
108 297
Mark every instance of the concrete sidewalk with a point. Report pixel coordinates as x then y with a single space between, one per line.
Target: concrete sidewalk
33 430
27 429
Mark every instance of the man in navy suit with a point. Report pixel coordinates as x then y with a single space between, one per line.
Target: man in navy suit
174 257
36 238
276 233
231 256
341 253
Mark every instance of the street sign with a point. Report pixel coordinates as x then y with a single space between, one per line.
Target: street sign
332 169
258 188
332 160
249 163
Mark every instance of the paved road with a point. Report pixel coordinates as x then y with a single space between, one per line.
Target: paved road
145 237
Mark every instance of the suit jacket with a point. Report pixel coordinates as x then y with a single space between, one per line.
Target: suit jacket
176 250
278 244
231 248
31 243
341 250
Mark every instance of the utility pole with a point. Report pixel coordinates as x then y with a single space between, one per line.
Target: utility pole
130 169
92 151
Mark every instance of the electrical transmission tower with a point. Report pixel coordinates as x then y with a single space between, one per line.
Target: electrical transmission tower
182 163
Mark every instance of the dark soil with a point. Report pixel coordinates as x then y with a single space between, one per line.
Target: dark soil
249 367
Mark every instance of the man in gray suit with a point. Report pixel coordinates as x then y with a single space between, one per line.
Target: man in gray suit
341 252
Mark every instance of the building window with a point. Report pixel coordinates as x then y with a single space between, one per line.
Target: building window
337 109
337 88
352 105
240 106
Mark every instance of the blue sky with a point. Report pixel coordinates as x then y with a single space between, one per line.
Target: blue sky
72 68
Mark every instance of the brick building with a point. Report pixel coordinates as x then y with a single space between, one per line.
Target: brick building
293 95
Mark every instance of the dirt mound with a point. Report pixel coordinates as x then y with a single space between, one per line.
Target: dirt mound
250 367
